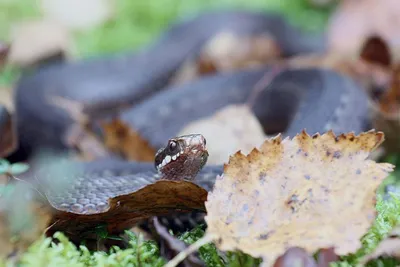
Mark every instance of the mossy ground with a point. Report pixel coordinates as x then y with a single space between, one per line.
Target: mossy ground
46 252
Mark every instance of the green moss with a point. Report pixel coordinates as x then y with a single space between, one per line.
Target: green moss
61 252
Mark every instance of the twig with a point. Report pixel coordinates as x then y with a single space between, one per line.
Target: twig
174 243
193 247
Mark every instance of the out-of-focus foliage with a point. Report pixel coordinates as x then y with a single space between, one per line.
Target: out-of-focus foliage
137 22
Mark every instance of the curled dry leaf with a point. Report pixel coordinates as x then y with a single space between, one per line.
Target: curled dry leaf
351 25
371 75
4 49
34 41
289 194
376 51
232 128
8 136
228 51
120 203
119 138
386 112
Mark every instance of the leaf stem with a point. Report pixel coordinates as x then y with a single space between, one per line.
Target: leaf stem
189 250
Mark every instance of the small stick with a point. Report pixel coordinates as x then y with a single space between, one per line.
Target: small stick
189 250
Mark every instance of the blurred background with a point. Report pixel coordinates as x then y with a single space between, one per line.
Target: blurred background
97 27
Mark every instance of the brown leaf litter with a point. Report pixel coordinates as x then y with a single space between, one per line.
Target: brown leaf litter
120 139
122 210
359 46
367 65
36 40
354 22
97 131
4 50
8 135
386 112
228 51
289 193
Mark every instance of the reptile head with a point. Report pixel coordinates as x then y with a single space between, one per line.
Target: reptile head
182 158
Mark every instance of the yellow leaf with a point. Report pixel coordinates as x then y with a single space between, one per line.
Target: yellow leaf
310 191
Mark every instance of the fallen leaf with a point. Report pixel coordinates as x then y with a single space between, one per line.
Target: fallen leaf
37 40
385 112
228 51
4 49
355 21
369 74
122 140
6 96
390 101
289 193
117 202
8 136
376 51
232 128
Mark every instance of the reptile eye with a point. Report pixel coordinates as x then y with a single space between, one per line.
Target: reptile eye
172 146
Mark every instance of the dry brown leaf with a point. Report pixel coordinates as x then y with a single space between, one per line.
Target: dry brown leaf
356 21
367 73
6 98
386 113
33 41
4 49
376 51
156 198
8 135
390 101
228 51
232 128
289 194
120 139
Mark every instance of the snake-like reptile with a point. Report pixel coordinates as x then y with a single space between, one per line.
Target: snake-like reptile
312 99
